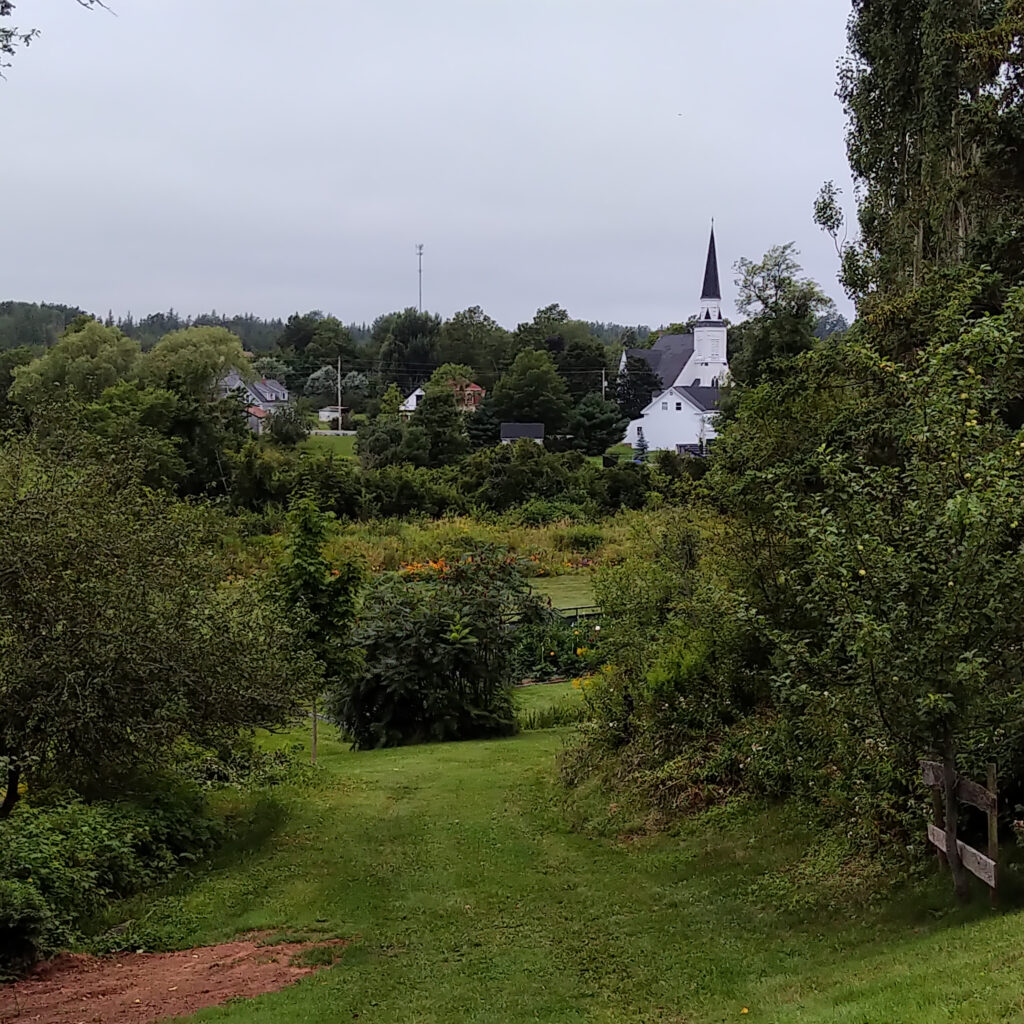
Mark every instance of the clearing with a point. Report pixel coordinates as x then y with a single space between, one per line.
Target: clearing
466 897
574 590
342 445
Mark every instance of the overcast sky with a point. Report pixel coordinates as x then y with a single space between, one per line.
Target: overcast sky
245 155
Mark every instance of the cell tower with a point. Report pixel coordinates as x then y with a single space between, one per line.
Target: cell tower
419 256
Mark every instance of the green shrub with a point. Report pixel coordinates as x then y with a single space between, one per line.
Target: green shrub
547 644
244 765
61 864
26 925
438 659
405 490
544 511
565 712
585 539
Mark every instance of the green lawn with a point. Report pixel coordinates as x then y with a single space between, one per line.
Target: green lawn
544 695
468 899
343 445
575 590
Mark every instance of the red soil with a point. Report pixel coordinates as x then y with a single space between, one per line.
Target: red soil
141 988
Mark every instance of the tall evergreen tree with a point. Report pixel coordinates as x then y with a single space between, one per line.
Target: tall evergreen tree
533 392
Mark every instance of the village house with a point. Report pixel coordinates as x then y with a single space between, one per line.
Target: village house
411 403
468 397
691 368
266 394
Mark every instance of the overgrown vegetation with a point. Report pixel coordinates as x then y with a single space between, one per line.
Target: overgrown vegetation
437 654
852 606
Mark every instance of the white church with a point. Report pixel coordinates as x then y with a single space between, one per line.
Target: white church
691 367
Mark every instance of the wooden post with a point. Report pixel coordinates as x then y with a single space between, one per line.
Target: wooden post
960 857
993 831
939 818
952 810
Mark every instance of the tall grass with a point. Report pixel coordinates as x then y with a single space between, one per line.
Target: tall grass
550 550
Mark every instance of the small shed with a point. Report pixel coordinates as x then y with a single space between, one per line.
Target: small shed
512 432
331 412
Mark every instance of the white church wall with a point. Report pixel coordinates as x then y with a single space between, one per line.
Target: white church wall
665 426
706 374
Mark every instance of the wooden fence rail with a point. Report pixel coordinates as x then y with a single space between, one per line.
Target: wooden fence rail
986 800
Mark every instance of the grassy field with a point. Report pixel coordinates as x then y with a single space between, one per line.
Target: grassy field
544 695
574 590
468 899
343 445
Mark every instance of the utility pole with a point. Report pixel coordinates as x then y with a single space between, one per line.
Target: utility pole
604 384
419 255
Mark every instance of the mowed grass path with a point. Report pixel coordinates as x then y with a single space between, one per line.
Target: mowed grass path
468 899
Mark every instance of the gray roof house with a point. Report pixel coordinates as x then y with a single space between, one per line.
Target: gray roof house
512 432
264 394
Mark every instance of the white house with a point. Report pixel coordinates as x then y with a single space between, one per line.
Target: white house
408 407
691 368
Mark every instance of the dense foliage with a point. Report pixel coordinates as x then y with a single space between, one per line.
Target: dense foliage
61 864
851 606
119 634
437 655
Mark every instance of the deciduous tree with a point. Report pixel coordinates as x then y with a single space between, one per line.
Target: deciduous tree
119 633
87 360
443 424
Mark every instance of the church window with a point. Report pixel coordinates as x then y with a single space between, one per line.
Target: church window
664 406
679 406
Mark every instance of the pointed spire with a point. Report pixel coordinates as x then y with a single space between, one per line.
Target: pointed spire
712 289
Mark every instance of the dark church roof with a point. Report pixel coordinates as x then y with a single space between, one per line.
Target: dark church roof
712 287
706 399
666 357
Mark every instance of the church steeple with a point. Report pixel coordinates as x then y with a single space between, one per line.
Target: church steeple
712 289
711 294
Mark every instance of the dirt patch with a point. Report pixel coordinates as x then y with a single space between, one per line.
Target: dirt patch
141 988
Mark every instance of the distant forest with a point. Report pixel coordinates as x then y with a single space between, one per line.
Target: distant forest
37 325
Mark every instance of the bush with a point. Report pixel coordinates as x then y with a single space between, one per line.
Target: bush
548 644
405 490
503 477
242 766
544 511
565 712
585 539
438 662
61 864
334 483
25 923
